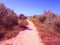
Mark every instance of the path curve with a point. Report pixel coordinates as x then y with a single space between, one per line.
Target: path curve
27 37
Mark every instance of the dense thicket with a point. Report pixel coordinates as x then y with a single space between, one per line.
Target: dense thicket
10 21
51 19
8 18
48 26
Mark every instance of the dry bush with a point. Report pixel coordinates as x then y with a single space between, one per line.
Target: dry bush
56 25
22 17
48 36
8 20
22 22
49 29
10 23
41 18
7 17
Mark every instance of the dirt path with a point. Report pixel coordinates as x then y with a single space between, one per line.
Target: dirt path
27 37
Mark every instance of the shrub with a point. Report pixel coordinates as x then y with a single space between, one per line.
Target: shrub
22 17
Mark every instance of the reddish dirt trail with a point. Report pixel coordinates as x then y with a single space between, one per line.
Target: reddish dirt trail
27 37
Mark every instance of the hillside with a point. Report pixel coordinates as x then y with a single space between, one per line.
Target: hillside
44 28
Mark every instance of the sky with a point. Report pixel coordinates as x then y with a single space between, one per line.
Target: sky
32 7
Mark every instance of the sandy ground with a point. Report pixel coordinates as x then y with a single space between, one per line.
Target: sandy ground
27 37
